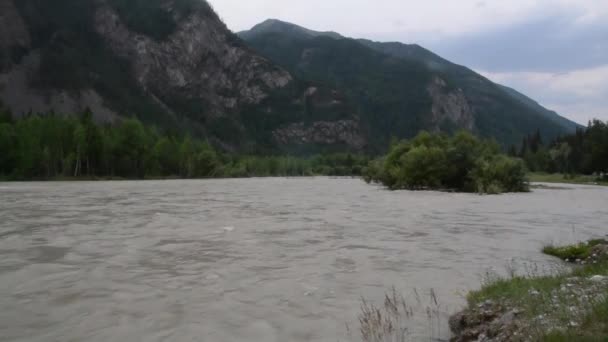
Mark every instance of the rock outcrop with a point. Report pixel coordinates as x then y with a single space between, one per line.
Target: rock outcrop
344 132
200 60
450 106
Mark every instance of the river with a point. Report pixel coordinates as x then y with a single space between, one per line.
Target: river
260 260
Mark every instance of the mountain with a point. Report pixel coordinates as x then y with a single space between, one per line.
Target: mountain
400 89
171 63
275 25
435 62
279 88
549 114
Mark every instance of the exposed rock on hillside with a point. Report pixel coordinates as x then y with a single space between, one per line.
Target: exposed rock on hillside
172 63
450 107
200 60
344 132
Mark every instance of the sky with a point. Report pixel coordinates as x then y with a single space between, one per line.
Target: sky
555 51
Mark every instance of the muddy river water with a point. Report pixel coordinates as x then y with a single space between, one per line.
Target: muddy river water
260 260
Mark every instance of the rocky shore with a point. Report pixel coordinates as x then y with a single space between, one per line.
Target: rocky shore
564 307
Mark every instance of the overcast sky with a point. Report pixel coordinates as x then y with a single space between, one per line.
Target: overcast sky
555 51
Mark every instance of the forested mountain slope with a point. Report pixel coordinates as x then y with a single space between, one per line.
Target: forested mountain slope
401 89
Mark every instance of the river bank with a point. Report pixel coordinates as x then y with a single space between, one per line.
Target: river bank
560 178
568 306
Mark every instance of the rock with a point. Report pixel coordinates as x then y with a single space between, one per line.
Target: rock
599 252
457 322
346 132
598 278
533 292
508 318
486 305
489 321
450 105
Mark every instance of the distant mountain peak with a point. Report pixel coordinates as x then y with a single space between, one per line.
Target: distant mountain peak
279 26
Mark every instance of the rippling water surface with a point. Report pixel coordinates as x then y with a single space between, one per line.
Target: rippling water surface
257 259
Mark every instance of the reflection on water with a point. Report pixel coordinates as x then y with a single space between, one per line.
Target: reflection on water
257 259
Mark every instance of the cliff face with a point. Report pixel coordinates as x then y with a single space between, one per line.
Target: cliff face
172 63
450 107
19 64
199 60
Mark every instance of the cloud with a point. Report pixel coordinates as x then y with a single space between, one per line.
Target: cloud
557 43
366 17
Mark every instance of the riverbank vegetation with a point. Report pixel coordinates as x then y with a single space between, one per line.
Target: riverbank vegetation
461 163
591 251
542 177
568 306
580 158
57 147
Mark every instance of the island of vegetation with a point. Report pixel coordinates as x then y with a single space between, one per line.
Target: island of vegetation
461 163
569 306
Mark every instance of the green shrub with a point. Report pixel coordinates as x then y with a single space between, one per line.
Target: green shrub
498 174
436 161
574 252
580 251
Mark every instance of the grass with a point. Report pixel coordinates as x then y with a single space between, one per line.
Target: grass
560 178
389 322
594 327
573 252
386 323
568 306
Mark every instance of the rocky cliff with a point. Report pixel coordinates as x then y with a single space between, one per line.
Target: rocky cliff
172 63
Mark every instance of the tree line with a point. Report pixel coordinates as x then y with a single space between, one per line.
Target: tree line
584 152
460 162
54 146
51 146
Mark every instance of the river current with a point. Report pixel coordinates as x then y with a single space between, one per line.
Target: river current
261 260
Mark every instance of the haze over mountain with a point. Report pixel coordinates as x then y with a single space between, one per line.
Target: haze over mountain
173 63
